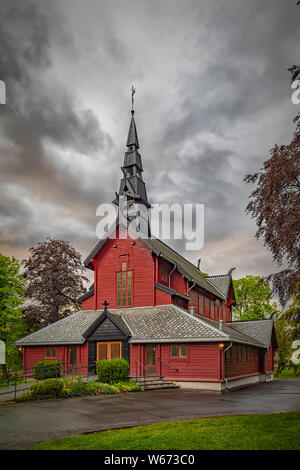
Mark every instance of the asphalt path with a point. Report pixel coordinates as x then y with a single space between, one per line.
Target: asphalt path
23 425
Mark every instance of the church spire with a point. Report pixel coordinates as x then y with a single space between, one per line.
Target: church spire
132 185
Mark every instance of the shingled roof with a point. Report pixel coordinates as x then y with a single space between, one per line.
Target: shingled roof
221 282
260 329
163 323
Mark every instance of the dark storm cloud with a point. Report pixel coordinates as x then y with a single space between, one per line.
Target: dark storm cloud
213 96
41 112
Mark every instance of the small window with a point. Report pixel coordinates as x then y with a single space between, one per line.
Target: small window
163 273
178 350
50 352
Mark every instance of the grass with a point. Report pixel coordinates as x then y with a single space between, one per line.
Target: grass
244 432
288 374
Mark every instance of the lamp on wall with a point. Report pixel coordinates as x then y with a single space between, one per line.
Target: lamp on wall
221 345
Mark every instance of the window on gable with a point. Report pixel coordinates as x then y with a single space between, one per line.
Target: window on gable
124 286
201 304
178 350
212 308
163 273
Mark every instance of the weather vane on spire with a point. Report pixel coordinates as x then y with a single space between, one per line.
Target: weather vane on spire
132 101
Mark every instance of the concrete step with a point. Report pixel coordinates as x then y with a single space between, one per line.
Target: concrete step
153 382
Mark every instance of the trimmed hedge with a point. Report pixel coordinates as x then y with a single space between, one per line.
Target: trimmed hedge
49 388
114 370
47 370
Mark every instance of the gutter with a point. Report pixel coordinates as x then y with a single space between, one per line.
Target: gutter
190 288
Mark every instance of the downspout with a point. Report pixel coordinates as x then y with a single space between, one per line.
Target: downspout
190 288
170 273
225 380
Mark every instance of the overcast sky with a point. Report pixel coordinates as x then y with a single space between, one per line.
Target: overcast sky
213 95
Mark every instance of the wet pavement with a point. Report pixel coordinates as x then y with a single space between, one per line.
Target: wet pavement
25 424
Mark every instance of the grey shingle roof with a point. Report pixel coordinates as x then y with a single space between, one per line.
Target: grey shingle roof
259 329
183 265
167 323
69 330
163 323
221 282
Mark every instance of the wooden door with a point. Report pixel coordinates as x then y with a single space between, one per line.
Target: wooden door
150 359
109 350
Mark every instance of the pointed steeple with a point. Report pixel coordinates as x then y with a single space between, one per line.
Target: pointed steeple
132 184
132 139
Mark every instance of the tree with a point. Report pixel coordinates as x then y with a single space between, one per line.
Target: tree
275 204
253 299
284 352
12 321
54 275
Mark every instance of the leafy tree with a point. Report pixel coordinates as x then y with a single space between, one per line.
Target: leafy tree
253 299
12 322
54 275
275 204
284 352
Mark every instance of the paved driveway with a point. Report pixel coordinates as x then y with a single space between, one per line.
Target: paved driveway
25 424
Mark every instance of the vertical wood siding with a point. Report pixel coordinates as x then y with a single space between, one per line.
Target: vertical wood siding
241 360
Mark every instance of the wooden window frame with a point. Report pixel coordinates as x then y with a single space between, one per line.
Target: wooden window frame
108 348
51 355
201 304
179 351
119 286
212 309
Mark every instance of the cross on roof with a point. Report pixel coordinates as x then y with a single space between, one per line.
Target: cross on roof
105 304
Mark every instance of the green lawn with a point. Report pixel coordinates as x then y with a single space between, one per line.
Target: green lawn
251 432
288 374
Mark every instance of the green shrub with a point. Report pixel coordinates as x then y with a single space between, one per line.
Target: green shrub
47 370
49 388
110 371
128 386
107 389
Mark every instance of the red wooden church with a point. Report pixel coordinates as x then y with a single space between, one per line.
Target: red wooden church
164 315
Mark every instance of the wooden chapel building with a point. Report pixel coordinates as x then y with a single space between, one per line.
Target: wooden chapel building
165 317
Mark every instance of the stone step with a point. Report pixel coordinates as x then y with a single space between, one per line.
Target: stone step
153 382
159 386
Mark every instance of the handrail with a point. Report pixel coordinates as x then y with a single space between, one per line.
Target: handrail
145 368
171 367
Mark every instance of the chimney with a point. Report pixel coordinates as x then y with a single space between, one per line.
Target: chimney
199 261
192 310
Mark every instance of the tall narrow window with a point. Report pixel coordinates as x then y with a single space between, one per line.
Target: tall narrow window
212 308
201 304
124 287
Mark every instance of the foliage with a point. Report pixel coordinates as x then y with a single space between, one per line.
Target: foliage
47 369
284 352
275 204
49 388
253 299
111 371
291 316
54 275
128 386
279 431
12 322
